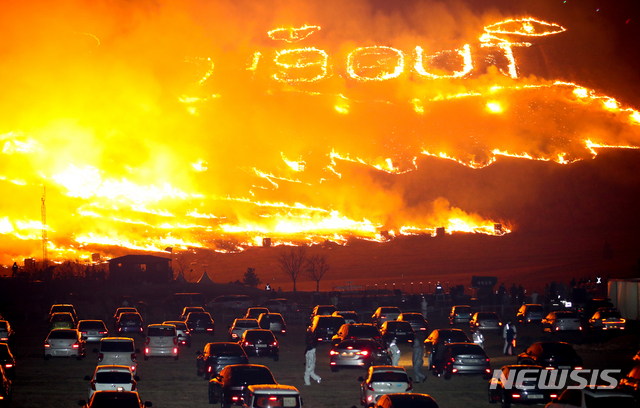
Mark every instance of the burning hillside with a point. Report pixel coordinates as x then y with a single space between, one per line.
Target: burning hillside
178 125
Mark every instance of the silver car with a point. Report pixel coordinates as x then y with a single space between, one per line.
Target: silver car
111 378
383 380
485 321
64 343
162 341
92 330
118 351
358 353
240 326
465 358
561 321
184 335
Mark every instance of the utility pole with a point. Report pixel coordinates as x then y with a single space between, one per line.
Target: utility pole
45 260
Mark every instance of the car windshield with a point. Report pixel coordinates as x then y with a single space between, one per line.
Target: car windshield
3 325
487 315
558 348
229 349
4 351
566 315
330 321
274 318
179 325
395 325
463 309
116 346
457 349
609 315
199 316
63 334
61 317
363 331
412 317
245 323
130 317
535 308
161 331
91 325
359 345
113 377
389 310
250 376
455 336
389 376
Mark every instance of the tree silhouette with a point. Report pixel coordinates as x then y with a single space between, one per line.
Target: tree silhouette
250 278
292 263
316 267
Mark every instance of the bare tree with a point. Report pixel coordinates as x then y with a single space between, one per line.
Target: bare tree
292 263
316 267
180 264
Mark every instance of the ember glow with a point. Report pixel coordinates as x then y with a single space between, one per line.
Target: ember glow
181 125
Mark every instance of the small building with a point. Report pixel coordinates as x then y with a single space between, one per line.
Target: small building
140 268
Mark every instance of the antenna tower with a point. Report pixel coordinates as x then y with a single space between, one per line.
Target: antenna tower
45 260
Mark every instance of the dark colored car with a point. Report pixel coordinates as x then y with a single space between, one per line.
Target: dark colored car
434 345
255 312
120 311
200 321
323 328
402 331
526 391
406 400
460 314
349 316
115 399
530 313
228 386
274 322
217 356
382 314
322 310
418 323
7 335
260 343
485 321
7 361
58 308
464 358
631 381
130 323
556 354
358 353
92 330
189 309
356 331
6 391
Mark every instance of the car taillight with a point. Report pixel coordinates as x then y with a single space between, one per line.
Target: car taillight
133 368
175 350
363 353
146 350
423 328
133 356
580 327
76 345
275 343
515 395
499 323
8 365
233 335
333 352
141 329
557 328
103 332
93 385
409 386
283 331
133 385
370 387
319 338
273 398
146 343
100 357
47 345
209 329
119 329
84 333
487 370
209 369
248 343
553 395
578 368
235 398
175 341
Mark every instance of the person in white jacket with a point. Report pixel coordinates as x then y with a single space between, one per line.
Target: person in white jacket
478 338
310 364
394 352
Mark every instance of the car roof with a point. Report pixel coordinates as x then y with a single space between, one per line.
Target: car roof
119 368
121 339
273 389
387 369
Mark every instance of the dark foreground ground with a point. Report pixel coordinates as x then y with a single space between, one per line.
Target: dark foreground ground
59 382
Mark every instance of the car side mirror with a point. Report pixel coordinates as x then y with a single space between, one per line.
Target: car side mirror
361 378
87 378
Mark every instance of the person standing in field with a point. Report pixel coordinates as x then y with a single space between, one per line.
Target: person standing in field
394 352
509 334
417 359
310 364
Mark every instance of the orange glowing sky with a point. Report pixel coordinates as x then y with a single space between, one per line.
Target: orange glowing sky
200 124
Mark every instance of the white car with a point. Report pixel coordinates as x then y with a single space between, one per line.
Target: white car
383 380
118 351
162 341
64 343
561 321
112 378
587 398
607 318
273 395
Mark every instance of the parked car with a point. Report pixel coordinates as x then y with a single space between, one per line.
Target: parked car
418 323
358 353
530 313
485 321
235 302
382 314
63 307
64 343
322 310
349 316
607 318
6 389
130 323
382 380
260 343
356 331
200 321
561 321
189 309
120 311
101 399
239 326
7 361
183 333
460 314
274 322
434 344
587 398
525 392
267 396
162 341
631 381
402 331
464 358
61 320
92 330
118 351
228 386
216 356
111 377
255 312
323 327
7 335
406 400
552 354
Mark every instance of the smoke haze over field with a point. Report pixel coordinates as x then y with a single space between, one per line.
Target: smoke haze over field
196 125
